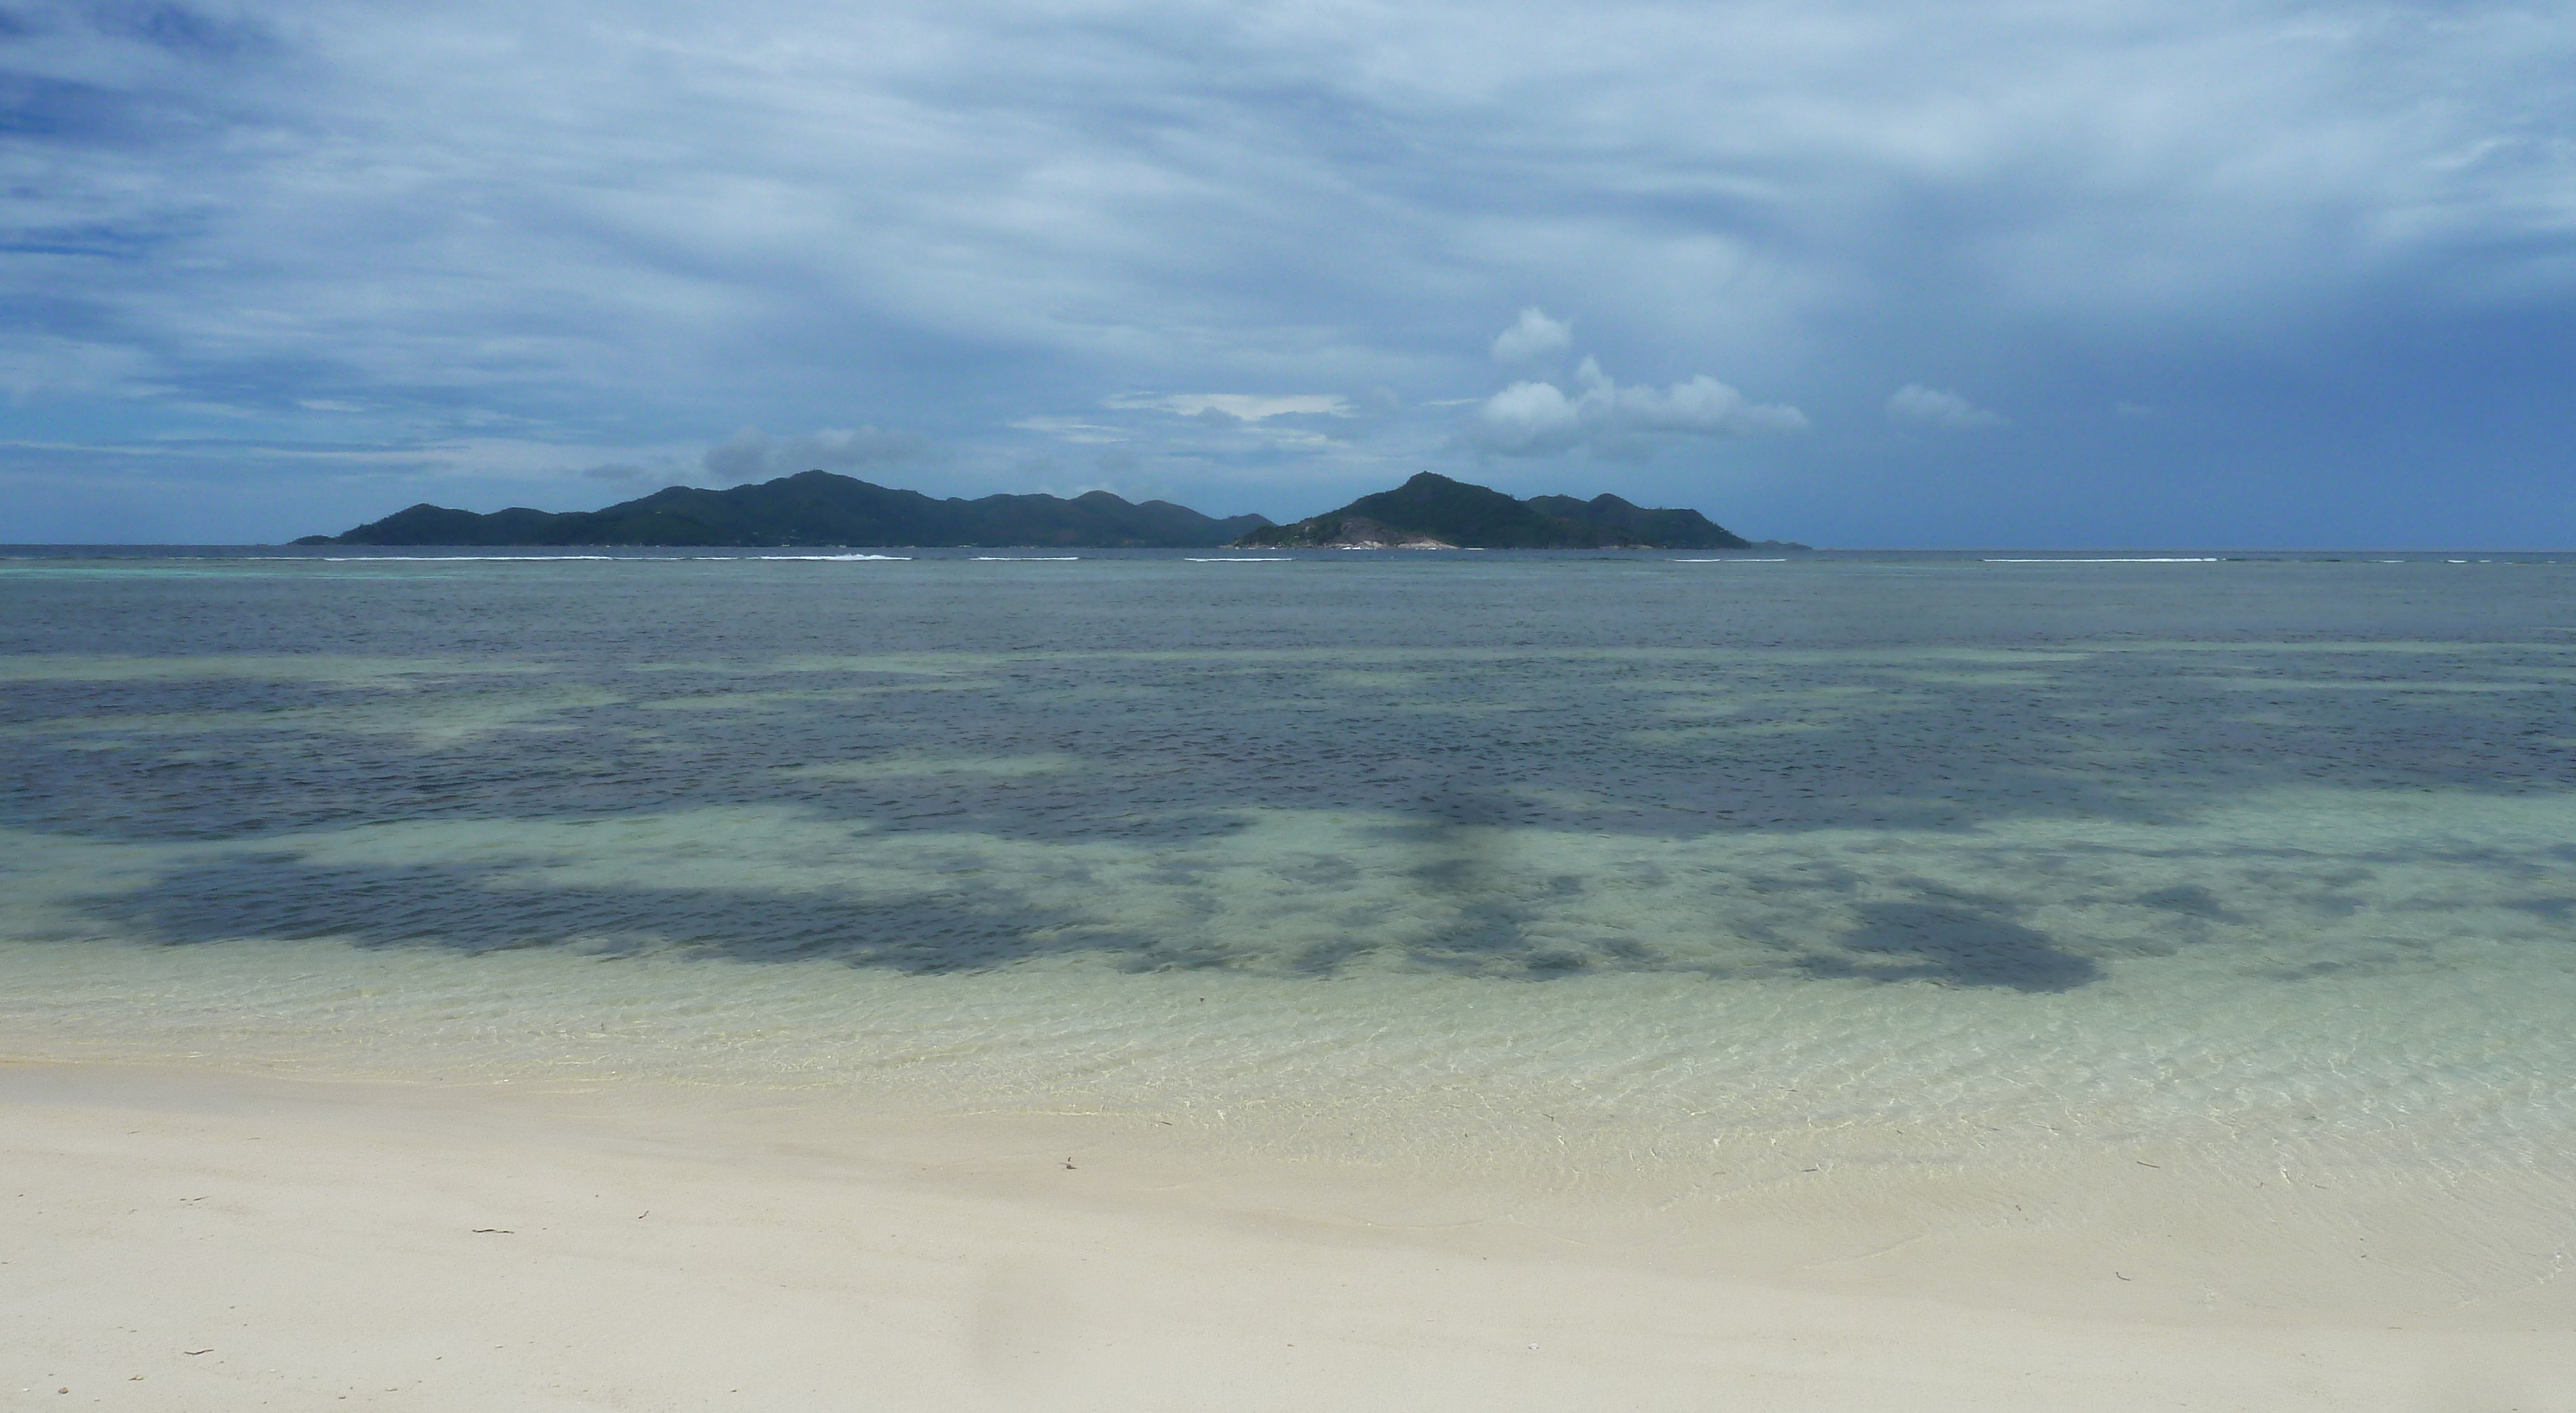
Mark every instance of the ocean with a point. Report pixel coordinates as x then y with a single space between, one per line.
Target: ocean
1682 874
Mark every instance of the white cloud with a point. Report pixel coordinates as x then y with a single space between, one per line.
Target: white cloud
647 225
1072 429
1531 418
1705 405
1932 407
1245 407
1535 336
1526 414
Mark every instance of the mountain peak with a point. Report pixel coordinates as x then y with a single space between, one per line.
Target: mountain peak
1432 511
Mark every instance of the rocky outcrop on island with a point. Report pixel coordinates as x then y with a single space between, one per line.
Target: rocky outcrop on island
1432 511
817 509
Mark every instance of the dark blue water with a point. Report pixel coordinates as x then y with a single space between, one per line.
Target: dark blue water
1919 894
1436 703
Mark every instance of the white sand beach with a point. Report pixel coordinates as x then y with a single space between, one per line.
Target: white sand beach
1544 987
208 1241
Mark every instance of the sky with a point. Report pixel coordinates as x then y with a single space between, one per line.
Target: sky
1891 273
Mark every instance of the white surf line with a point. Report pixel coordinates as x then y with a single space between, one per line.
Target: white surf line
2167 559
558 558
1244 559
1025 558
1733 560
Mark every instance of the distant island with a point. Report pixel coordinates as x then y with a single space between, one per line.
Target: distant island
817 509
1434 512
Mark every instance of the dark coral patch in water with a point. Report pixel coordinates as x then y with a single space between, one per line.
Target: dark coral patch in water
1961 944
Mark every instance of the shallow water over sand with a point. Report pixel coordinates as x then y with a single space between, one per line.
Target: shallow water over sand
1576 865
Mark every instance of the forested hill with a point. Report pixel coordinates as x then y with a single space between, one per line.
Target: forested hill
1432 510
815 509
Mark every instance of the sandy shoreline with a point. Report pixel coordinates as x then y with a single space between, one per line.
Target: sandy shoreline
475 1246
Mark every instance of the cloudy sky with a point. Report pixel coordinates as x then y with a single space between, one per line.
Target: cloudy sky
2090 272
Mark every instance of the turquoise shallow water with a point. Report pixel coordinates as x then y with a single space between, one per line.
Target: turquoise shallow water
1383 852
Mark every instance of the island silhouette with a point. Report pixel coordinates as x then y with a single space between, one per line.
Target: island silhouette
819 509
1431 511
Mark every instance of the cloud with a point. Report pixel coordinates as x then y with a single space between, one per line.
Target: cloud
1244 407
1526 414
1932 407
1072 429
1705 405
752 455
1535 418
39 366
614 228
1534 336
